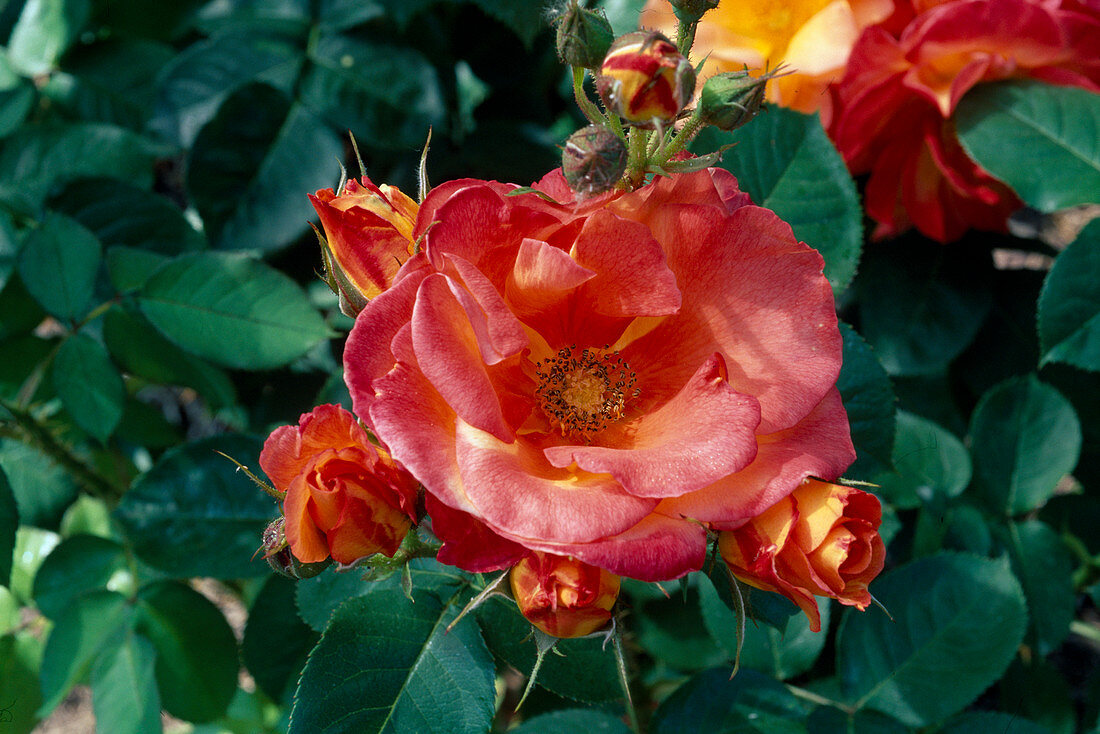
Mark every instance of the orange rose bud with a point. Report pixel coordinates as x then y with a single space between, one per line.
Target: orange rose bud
821 540
345 498
370 234
645 80
562 596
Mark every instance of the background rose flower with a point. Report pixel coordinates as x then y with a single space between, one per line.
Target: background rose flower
369 232
344 497
562 596
821 540
894 107
602 379
812 37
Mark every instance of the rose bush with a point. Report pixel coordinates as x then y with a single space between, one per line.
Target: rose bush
820 540
562 596
345 498
602 379
894 107
812 38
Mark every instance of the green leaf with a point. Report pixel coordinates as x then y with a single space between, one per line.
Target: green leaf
928 461
119 213
386 663
826 720
32 545
194 514
124 690
921 304
37 159
785 162
386 94
112 81
145 424
91 624
276 640
252 166
672 631
338 15
869 399
526 20
251 17
623 14
1038 138
196 666
1069 304
88 516
714 701
957 622
58 264
584 671
89 385
573 721
763 607
1038 691
1044 568
9 523
991 722
10 242
142 351
17 97
783 654
232 310
1024 437
44 30
42 488
81 564
318 597
199 80
20 656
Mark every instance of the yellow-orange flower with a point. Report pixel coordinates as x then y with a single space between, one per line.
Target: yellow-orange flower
562 596
369 232
820 540
811 37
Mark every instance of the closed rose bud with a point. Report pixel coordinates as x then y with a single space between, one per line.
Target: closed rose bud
730 100
278 556
593 160
369 230
583 36
690 11
562 596
821 540
344 496
645 80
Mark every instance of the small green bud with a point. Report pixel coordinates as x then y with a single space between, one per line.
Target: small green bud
690 11
730 100
593 160
583 36
282 561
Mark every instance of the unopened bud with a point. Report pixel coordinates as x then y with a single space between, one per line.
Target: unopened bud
690 11
593 160
562 596
645 80
278 556
730 100
583 36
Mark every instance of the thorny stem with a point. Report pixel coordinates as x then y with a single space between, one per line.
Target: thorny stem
92 482
636 159
588 107
820 700
624 679
685 36
689 130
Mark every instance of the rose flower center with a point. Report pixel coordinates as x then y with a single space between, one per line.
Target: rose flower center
581 391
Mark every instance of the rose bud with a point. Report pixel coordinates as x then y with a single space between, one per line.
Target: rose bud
593 160
821 540
562 596
730 100
344 496
583 36
278 556
645 80
369 231
690 11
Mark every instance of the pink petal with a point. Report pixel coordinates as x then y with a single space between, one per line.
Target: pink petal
703 434
468 543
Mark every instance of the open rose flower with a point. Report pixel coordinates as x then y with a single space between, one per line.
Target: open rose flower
810 37
369 233
344 497
562 596
821 540
894 107
602 379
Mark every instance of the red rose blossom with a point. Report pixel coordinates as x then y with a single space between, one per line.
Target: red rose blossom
602 379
